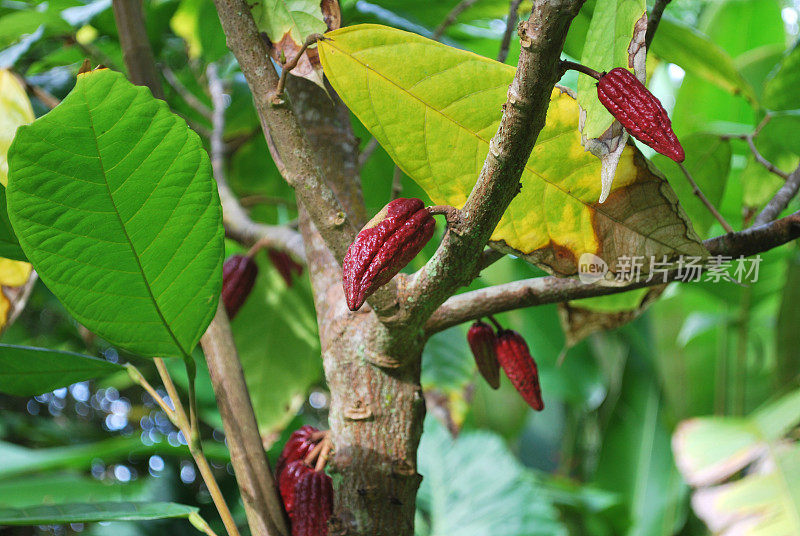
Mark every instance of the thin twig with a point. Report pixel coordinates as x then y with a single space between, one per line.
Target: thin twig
139 379
566 65
291 64
511 25
190 98
763 161
40 93
699 193
653 20
369 148
451 17
781 199
397 183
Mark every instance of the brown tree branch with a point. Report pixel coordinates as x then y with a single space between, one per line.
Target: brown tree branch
653 20
451 17
781 200
703 199
511 24
135 45
454 264
289 145
543 290
263 506
238 224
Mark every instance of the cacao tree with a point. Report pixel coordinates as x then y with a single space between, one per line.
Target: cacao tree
216 200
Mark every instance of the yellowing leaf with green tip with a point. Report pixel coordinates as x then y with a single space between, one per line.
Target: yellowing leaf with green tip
434 109
12 274
15 110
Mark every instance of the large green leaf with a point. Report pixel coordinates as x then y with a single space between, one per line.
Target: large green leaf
682 45
607 41
712 450
61 488
28 371
473 486
87 512
780 91
435 119
113 202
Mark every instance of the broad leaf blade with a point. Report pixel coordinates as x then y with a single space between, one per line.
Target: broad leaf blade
89 512
28 371
781 88
435 119
113 202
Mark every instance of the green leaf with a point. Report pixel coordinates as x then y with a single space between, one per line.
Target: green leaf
473 486
113 202
786 333
28 371
780 90
682 45
60 488
9 245
435 119
606 47
89 512
708 160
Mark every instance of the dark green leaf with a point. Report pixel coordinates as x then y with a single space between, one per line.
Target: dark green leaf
31 371
9 245
87 512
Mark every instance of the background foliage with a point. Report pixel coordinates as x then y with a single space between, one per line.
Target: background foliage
601 459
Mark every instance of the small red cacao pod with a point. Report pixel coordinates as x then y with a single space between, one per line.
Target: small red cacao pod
481 339
297 447
313 504
639 111
238 277
383 247
287 483
518 364
285 264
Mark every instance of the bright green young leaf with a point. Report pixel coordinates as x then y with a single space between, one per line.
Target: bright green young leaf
435 119
607 41
708 160
780 91
9 245
112 199
89 512
15 110
28 371
682 45
504 499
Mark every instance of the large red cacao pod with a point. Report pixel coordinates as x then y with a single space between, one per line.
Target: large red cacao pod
287 483
297 447
238 277
285 264
313 504
639 111
518 364
383 247
481 339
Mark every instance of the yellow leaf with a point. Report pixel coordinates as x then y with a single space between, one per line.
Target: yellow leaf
14 273
15 110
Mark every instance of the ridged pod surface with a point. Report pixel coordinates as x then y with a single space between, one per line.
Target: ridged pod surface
238 277
518 364
287 483
383 247
481 339
313 504
297 447
639 111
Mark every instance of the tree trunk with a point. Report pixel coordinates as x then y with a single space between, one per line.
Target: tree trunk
373 373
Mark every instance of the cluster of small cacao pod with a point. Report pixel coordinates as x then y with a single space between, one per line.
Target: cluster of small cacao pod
239 274
639 111
507 349
306 490
386 244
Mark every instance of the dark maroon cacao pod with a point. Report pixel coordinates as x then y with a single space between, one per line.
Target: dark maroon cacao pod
297 447
383 247
285 264
639 111
238 277
481 339
515 358
313 504
287 483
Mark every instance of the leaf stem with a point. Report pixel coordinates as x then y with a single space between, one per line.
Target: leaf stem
277 98
567 65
